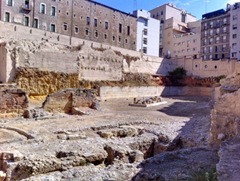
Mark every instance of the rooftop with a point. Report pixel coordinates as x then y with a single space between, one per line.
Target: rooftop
213 14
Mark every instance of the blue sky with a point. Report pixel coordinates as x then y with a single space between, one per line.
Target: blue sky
195 7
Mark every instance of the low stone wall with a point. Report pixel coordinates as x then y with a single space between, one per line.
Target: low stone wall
69 100
107 92
13 102
188 91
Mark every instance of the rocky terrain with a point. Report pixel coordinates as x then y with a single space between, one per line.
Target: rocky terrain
113 142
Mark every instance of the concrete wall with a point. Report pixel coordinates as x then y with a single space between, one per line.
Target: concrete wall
108 92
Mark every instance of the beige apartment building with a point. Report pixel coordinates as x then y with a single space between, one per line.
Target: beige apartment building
215 35
165 12
182 40
83 19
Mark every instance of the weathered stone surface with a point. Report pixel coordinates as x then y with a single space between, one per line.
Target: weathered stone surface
12 102
122 131
228 167
36 113
225 117
68 100
39 83
184 164
2 176
230 84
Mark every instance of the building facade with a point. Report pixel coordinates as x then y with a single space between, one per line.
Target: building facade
148 31
83 19
165 12
215 35
235 31
183 40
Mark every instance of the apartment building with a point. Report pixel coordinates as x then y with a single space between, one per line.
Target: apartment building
148 31
165 12
234 31
183 40
83 19
215 35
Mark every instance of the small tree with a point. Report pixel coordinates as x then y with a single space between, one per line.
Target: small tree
177 75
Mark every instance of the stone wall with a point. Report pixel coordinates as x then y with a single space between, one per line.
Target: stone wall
107 92
225 119
13 102
70 100
39 83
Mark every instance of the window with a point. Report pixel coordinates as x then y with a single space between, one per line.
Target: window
210 41
234 27
216 49
210 57
126 41
183 17
27 4
224 48
234 45
161 12
105 36
218 23
234 17
35 23
106 25
113 38
234 36
26 21
210 49
65 27
234 54
211 32
145 32
120 28
53 11
128 30
205 26
203 50
205 33
217 31
211 24
194 49
9 2
225 21
53 28
145 22
204 41
43 8
217 39
224 29
224 38
76 29
144 49
86 32
194 40
88 20
7 17
95 22
145 41
119 38
96 34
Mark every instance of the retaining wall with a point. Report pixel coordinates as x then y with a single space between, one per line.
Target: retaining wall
107 92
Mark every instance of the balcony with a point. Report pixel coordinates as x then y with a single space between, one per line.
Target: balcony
26 7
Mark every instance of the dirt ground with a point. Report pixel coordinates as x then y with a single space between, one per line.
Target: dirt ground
169 118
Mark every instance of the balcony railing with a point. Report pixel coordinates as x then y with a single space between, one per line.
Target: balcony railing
27 7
